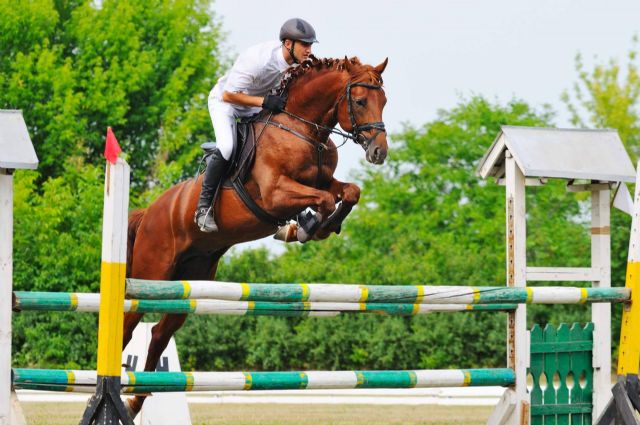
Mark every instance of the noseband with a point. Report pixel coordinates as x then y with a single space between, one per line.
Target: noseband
357 129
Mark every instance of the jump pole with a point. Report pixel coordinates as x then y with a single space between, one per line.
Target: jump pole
351 293
106 406
146 382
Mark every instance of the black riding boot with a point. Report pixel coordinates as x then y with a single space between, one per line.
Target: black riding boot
216 167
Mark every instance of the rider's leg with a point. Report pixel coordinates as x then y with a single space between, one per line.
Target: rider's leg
224 125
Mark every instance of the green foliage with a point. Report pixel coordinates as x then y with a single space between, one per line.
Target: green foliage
608 95
142 67
75 67
424 218
58 231
57 244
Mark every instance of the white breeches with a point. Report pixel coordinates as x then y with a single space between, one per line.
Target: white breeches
224 126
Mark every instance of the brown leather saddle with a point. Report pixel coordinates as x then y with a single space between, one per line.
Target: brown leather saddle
242 161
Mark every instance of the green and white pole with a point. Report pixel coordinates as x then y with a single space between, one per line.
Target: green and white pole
350 293
150 382
81 302
106 407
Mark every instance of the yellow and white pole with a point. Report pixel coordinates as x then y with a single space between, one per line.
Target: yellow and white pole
106 406
113 269
629 356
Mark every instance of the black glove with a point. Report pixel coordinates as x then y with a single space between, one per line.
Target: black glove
274 103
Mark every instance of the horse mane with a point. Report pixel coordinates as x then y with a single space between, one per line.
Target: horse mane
359 72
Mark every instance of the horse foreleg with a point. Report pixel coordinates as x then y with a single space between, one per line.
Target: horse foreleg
289 195
349 194
161 334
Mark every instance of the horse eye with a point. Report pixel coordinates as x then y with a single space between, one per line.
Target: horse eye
361 102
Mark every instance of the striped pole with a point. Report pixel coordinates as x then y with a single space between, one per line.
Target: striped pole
105 406
324 292
146 382
81 302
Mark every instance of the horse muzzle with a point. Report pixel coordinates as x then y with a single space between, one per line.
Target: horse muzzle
376 151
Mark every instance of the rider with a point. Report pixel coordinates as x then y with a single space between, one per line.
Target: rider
241 92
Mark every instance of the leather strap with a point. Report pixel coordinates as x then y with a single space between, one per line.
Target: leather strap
255 208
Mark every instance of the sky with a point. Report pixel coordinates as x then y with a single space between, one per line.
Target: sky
443 50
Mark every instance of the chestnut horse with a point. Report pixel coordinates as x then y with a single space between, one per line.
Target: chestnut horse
293 169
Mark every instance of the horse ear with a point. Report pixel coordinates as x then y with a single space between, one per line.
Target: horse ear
347 64
380 68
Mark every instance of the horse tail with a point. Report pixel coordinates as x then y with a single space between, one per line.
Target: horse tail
134 222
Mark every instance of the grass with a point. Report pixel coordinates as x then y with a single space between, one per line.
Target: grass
283 414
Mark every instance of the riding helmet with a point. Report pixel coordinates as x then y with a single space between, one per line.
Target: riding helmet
299 30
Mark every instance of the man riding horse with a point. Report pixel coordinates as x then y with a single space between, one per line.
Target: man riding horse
241 92
290 168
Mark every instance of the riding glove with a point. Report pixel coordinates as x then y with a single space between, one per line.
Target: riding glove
273 103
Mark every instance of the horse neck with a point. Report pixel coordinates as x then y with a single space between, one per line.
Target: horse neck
314 98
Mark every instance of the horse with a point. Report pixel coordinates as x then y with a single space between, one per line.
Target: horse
292 170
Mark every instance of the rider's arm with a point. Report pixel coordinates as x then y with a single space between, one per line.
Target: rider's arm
243 99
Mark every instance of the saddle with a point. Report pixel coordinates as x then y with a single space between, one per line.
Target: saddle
241 163
243 155
240 166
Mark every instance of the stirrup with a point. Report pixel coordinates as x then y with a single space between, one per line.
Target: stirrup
204 220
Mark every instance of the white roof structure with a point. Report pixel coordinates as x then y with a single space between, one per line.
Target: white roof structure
560 153
16 149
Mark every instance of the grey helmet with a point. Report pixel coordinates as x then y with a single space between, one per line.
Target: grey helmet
297 29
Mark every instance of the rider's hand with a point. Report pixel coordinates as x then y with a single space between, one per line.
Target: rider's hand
274 103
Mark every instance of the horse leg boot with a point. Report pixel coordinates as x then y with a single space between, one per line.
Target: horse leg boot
204 216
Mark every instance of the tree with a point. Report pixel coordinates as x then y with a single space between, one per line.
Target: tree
607 97
142 67
424 218
75 67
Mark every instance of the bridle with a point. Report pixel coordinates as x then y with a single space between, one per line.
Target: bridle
356 129
355 134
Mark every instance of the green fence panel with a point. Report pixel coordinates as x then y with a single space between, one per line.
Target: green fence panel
562 374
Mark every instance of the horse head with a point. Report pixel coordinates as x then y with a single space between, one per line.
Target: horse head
360 108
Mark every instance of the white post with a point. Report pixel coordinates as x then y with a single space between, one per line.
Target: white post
516 233
601 312
6 288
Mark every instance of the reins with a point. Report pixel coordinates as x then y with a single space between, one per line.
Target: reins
356 129
355 134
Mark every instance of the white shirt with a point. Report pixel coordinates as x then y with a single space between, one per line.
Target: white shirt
256 72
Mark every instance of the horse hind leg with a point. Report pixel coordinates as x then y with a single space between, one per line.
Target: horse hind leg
131 320
191 266
161 334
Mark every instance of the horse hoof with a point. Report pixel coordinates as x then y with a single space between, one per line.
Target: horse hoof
287 233
129 409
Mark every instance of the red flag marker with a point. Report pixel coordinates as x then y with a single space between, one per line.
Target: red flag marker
112 148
